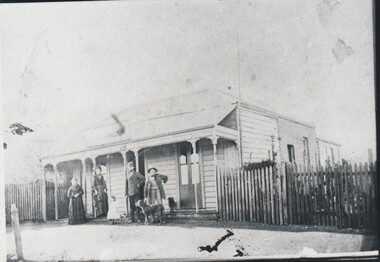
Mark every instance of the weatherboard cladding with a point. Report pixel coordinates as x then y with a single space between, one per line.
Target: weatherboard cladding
259 135
230 120
117 177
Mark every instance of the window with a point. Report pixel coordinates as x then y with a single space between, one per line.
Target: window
188 164
184 170
306 154
195 162
291 154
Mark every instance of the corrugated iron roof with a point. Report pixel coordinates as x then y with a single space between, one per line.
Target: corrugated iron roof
171 106
159 126
181 113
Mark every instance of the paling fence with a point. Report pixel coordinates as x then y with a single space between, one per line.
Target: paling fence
342 196
28 200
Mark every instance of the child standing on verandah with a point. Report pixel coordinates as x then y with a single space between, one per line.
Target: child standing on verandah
112 211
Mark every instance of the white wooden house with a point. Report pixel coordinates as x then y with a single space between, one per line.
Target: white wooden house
185 138
329 152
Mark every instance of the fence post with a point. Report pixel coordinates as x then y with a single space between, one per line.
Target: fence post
43 193
218 192
279 192
55 166
376 188
16 229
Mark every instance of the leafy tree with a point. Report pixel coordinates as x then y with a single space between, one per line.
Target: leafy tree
19 129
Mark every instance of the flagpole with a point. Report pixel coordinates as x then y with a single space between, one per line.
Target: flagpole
239 92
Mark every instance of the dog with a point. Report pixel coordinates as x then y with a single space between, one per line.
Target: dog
172 204
150 211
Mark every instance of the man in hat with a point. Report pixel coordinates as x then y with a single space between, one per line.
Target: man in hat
154 190
133 185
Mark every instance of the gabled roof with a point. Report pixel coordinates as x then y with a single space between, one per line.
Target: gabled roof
180 104
183 113
178 114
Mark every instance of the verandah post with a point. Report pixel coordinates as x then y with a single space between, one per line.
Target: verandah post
195 175
44 192
84 179
125 170
281 194
219 193
214 140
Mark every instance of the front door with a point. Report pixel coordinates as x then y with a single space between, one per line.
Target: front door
189 177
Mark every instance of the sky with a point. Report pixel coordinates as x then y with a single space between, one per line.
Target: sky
66 65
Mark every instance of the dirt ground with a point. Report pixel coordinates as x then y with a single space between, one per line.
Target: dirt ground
98 240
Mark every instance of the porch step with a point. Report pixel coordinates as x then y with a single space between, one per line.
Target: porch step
201 215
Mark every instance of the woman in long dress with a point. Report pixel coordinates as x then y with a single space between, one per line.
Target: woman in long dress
99 193
77 215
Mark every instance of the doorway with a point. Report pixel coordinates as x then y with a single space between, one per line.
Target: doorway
188 162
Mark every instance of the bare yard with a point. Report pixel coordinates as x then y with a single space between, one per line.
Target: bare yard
47 242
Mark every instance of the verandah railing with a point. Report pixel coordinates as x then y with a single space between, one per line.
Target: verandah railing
342 196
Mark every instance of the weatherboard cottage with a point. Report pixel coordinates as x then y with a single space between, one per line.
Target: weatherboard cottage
185 137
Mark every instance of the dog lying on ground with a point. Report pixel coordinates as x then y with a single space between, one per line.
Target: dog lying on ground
150 211
172 204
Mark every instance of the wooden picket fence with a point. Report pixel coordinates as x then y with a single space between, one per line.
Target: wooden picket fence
28 199
254 195
334 196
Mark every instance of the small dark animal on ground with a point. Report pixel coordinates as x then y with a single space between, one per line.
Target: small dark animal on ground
210 249
150 211
172 204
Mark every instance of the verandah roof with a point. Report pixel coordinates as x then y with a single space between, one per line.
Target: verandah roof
159 126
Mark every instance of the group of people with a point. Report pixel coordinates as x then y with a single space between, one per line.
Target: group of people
137 187
151 189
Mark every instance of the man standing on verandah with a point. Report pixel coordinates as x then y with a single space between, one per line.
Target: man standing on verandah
133 185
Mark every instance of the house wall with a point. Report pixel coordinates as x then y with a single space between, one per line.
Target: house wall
226 156
259 136
292 133
165 160
77 173
230 120
117 179
329 153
